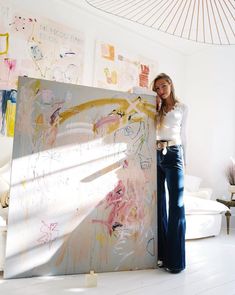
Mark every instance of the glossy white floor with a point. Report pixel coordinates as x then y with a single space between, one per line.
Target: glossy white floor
210 271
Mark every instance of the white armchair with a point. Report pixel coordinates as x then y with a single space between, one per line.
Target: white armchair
203 215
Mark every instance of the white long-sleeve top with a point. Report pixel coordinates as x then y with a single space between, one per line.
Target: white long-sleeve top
173 126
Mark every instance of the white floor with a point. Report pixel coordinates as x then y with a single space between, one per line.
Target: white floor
210 271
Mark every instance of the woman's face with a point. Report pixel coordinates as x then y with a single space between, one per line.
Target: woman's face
163 88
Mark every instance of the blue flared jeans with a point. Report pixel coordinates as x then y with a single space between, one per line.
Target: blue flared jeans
171 226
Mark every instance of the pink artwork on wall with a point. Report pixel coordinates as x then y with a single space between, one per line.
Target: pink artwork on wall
120 68
144 76
37 47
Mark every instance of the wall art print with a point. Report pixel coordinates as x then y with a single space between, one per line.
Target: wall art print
7 112
120 69
39 48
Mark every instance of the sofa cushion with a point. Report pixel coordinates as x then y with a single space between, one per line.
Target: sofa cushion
194 205
203 193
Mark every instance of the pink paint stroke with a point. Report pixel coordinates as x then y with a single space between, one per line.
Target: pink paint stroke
49 233
122 203
107 120
10 63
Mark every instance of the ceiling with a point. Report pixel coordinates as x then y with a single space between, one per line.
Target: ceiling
184 46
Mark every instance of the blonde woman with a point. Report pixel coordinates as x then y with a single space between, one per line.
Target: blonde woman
171 143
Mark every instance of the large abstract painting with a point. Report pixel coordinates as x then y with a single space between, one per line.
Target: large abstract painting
83 182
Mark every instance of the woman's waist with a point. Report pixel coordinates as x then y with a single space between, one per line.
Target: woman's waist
164 143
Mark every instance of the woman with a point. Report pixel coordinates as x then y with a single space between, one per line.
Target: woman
171 123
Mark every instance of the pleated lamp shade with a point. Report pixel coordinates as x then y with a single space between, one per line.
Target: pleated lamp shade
204 21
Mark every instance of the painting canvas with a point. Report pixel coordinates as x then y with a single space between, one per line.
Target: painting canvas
35 47
120 69
7 111
83 182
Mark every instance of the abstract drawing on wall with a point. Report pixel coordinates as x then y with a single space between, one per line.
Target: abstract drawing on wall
37 47
119 69
83 182
7 111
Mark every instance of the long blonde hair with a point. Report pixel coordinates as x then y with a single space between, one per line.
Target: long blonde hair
161 112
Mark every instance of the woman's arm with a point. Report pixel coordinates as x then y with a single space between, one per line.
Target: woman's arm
183 131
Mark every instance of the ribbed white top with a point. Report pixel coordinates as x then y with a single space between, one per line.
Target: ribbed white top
174 125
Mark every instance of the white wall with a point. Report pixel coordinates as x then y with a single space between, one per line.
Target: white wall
96 27
210 94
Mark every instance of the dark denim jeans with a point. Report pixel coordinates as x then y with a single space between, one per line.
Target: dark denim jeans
171 227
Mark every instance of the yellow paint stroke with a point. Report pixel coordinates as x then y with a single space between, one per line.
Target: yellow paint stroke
39 120
10 118
23 182
111 77
125 107
114 77
101 238
39 126
35 86
123 104
7 43
107 51
62 253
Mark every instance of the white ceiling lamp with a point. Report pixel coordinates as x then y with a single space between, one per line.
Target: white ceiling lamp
204 21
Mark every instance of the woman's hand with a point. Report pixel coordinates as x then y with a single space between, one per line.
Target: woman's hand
158 103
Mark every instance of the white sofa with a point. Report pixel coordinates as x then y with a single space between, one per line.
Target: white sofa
203 215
